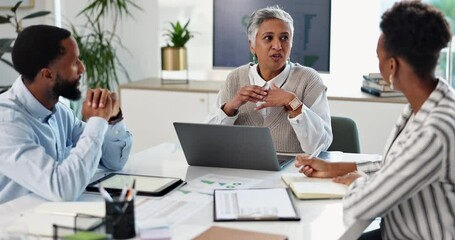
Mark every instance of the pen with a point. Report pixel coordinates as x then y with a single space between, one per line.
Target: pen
316 152
123 193
131 191
105 194
313 155
134 184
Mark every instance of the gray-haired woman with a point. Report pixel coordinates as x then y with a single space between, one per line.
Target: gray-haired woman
288 98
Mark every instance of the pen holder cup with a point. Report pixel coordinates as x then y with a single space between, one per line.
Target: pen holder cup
120 219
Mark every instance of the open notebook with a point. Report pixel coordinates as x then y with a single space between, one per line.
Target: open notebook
304 187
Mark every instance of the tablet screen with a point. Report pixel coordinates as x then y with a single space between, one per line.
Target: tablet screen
146 185
143 183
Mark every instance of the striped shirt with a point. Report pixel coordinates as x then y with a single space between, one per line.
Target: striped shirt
413 188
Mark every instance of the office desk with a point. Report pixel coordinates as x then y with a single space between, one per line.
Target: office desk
320 219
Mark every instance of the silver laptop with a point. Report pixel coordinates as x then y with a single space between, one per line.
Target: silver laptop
244 147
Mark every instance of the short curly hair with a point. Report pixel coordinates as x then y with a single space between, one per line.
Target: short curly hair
36 47
417 32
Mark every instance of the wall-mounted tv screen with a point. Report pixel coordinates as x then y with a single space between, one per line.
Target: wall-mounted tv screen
311 45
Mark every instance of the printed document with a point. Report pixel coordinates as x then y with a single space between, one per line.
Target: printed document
254 204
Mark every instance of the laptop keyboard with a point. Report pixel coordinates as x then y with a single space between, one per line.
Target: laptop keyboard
284 159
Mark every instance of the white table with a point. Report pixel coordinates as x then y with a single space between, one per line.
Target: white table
320 219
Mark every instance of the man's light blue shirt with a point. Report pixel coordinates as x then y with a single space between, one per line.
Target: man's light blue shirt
52 153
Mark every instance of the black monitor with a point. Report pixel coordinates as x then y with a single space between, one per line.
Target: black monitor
311 46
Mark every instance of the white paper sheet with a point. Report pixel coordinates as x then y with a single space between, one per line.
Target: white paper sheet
171 210
208 183
273 203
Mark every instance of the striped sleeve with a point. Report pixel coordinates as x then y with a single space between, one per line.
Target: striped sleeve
369 167
416 167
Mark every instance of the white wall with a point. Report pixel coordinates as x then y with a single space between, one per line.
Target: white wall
139 34
374 121
355 30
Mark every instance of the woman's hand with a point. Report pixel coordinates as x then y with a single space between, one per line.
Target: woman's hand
348 178
276 97
251 93
313 167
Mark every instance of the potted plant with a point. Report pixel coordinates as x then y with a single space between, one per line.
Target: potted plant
173 56
98 43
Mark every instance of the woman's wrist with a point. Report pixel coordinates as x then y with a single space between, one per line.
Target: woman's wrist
228 110
293 105
342 168
295 113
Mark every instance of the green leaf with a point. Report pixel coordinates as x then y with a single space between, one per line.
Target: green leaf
177 34
13 9
37 14
100 8
5 19
5 44
7 62
186 25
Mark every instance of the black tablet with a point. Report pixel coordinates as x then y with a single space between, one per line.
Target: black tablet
144 185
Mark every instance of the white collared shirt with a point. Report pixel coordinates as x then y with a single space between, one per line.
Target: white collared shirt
52 153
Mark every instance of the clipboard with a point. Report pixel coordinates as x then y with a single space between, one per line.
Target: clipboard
256 204
144 185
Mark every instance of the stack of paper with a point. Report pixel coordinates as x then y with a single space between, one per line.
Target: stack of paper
304 187
40 221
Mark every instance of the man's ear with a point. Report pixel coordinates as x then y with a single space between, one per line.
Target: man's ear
46 73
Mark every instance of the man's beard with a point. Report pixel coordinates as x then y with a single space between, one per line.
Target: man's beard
66 89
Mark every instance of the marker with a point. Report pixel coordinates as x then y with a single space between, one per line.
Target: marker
313 155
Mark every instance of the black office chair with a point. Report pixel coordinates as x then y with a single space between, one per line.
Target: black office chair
345 135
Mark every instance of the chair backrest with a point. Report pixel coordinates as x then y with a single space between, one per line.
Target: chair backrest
345 135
